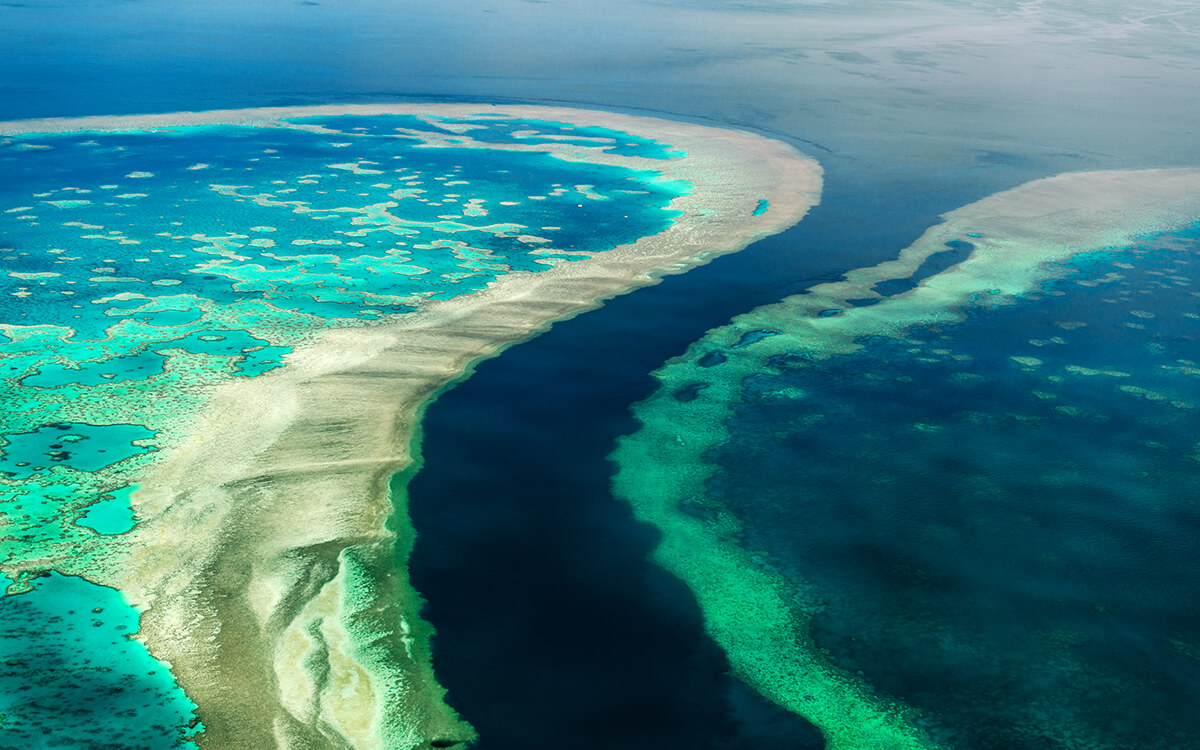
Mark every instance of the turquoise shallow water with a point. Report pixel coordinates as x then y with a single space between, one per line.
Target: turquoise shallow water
274 211
121 253
86 447
995 521
503 131
139 269
252 356
71 675
111 514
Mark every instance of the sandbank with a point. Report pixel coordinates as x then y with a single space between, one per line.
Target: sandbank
265 560
751 611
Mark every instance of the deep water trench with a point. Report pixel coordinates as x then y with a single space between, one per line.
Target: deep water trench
553 628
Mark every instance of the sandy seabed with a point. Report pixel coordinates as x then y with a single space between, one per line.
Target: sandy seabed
265 562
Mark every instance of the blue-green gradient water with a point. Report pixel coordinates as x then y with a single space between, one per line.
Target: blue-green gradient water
914 109
138 269
73 675
995 521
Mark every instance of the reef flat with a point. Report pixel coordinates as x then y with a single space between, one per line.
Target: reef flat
221 328
762 404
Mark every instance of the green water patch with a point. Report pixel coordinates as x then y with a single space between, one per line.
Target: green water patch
254 356
73 674
166 318
68 520
748 608
990 519
111 514
696 450
86 447
251 356
139 366
761 208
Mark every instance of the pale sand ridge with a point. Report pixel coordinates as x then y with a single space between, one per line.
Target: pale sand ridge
263 563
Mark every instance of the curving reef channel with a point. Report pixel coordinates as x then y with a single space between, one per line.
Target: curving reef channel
217 334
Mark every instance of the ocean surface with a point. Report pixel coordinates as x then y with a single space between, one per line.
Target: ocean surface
553 626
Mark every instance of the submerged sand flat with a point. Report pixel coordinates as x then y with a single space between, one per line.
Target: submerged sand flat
264 560
751 610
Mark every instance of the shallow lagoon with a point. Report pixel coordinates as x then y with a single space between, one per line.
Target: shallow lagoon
238 244
72 673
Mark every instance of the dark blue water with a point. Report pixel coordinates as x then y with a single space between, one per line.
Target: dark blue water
553 629
1006 544
536 578
956 252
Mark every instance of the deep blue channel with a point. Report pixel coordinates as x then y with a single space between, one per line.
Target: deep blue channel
553 626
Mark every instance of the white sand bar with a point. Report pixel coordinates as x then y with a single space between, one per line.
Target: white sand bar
264 563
